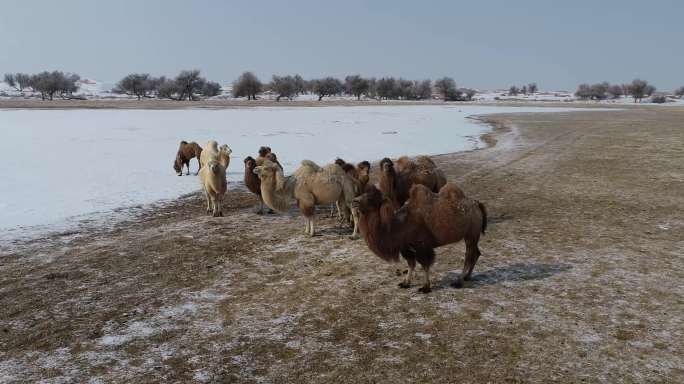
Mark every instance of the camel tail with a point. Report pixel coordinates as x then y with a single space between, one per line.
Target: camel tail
484 216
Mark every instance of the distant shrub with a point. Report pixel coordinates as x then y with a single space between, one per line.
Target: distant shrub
18 81
513 90
532 88
247 85
445 86
356 86
640 89
328 86
55 82
659 99
679 92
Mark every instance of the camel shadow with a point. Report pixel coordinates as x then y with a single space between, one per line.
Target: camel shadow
512 272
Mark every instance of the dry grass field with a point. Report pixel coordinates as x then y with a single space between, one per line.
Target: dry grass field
581 279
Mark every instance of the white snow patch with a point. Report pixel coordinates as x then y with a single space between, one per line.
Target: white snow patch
94 162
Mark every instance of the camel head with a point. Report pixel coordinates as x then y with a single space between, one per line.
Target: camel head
226 149
270 173
370 200
272 157
250 163
386 165
178 165
263 151
363 167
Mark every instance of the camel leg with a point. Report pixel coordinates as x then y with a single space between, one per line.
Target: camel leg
199 165
206 195
261 206
471 256
311 226
411 261
220 205
355 218
187 166
426 282
426 257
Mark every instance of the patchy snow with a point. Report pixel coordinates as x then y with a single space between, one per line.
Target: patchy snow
63 166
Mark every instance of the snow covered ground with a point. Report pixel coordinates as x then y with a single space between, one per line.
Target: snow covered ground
62 166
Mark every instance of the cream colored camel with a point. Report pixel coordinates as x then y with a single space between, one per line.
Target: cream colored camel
309 185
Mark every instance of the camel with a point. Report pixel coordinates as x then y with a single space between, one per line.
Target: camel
213 177
265 153
253 182
427 221
186 151
395 184
309 185
210 152
363 169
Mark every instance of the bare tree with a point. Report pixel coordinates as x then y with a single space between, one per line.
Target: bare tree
386 88
18 81
356 85
599 91
532 88
300 85
423 89
469 93
615 91
210 89
189 83
284 86
679 92
444 86
328 86
168 89
583 91
640 89
513 90
135 84
523 90
51 83
247 85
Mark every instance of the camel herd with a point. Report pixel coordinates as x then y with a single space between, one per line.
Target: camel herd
411 211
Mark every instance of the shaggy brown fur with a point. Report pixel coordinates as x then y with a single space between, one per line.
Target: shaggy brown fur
263 151
429 220
363 169
396 183
187 151
253 182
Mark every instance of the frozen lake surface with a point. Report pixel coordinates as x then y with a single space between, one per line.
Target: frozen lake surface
61 166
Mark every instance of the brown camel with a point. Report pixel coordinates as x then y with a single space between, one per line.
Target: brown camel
253 183
396 183
427 221
187 151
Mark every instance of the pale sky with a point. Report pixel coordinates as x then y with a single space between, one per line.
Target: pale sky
482 44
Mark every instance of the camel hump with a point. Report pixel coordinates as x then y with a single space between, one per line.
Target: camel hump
425 164
310 164
452 192
419 192
183 142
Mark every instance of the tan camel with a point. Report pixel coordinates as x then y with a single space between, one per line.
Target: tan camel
309 185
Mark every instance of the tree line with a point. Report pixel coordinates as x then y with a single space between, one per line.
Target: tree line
48 84
637 89
385 88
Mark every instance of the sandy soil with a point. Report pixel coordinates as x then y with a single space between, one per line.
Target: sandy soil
581 279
